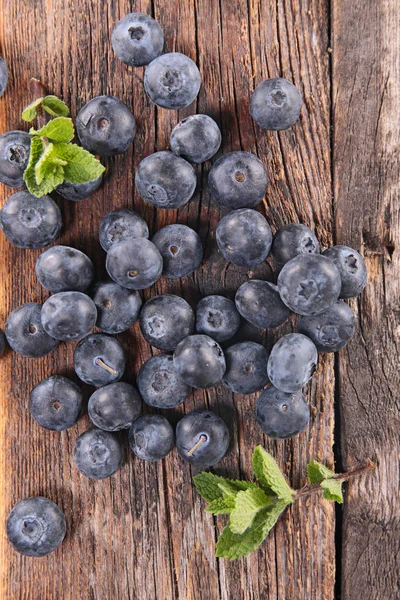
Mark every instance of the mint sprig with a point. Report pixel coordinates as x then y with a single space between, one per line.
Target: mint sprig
51 104
254 508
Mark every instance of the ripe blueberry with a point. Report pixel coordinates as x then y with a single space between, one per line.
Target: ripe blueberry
120 225
199 360
115 406
281 415
25 333
202 438
78 191
159 383
292 240
352 269
292 362
217 317
246 367
330 330
135 263
137 39
172 80
14 155
69 315
151 437
56 403
259 303
244 237
99 359
180 248
98 454
275 104
117 308
61 269
3 75
197 138
166 320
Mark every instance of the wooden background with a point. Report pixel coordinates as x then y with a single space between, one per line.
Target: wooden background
143 534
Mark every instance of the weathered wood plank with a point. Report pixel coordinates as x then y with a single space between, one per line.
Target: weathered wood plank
366 108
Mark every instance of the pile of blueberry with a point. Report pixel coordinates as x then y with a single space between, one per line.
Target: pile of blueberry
309 283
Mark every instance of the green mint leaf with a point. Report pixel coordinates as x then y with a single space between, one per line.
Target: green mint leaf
233 545
332 490
221 506
37 149
211 487
55 107
57 130
247 504
49 168
269 475
233 486
30 112
317 472
81 166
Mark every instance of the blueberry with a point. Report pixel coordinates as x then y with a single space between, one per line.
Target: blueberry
246 367
115 406
105 126
259 303
98 454
275 104
238 180
330 330
244 237
217 317
3 75
137 39
117 308
202 438
159 383
199 361
165 180
166 320
309 284
2 342
99 359
36 526
134 264
151 437
78 191
14 155
292 240
120 225
30 222
352 269
180 248
69 315
25 333
56 403
281 415
292 362
172 80
197 138
61 269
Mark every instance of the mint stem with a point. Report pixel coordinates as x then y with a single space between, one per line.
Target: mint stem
39 91
308 490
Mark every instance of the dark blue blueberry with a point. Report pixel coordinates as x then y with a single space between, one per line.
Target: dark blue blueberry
281 415
56 403
244 237
3 75
330 330
135 264
202 438
14 155
36 526
137 39
217 317
159 384
117 308
115 406
69 315
199 361
172 80
246 367
166 320
99 360
62 269
238 180
105 126
352 269
309 284
259 303
30 222
292 240
197 138
275 104
180 248
292 362
25 333
120 225
165 180
78 191
2 342
151 437
98 454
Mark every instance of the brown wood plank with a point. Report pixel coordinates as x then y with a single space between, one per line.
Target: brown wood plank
366 106
143 534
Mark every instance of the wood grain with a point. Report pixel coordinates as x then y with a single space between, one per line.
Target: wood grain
143 534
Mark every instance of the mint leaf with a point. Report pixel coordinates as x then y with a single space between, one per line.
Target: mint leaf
81 166
317 472
332 490
232 486
30 112
55 107
269 475
247 504
221 506
37 149
57 130
211 486
49 168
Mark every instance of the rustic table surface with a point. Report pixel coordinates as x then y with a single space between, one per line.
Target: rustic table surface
143 534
